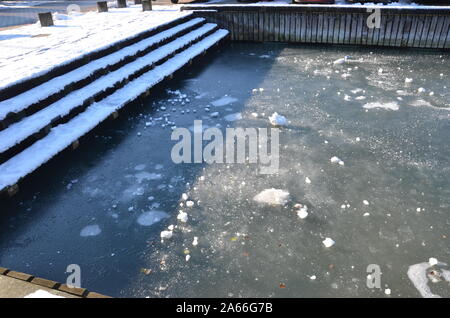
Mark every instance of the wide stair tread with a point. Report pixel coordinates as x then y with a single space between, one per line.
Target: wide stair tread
62 136
88 72
21 134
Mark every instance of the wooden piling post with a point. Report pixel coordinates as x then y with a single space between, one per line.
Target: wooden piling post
121 3
102 6
45 19
12 190
75 144
146 5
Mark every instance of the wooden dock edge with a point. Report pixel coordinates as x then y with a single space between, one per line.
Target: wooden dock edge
415 27
79 292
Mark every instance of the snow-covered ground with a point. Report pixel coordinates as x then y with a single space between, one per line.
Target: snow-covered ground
31 50
21 4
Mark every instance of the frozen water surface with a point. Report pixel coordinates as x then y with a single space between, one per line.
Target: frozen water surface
393 139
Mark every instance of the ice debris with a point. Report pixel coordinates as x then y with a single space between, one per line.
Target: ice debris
272 197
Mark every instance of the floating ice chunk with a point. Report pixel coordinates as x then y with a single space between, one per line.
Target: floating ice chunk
390 105
366 214
358 139
151 217
433 261
214 115
224 101
255 115
141 176
328 242
313 277
387 291
272 197
166 234
278 120
171 227
366 202
380 71
233 117
335 159
139 167
188 257
408 80
303 212
360 97
90 230
184 196
195 241
356 90
347 97
342 60
182 216
189 204
418 275
307 180
421 90
343 206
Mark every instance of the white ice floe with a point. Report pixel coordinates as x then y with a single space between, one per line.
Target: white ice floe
144 175
233 117
166 234
389 105
272 197
189 204
224 101
328 242
421 90
418 274
90 230
307 180
151 217
303 212
188 257
184 196
365 202
195 241
313 277
342 60
335 159
214 115
278 120
408 80
182 216
433 261
387 291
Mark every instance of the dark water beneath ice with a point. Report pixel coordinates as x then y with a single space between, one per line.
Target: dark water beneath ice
397 158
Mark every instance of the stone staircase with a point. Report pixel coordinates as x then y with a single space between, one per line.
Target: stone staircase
55 110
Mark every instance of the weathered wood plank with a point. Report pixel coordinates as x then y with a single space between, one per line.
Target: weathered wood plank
304 26
426 30
444 32
412 32
432 31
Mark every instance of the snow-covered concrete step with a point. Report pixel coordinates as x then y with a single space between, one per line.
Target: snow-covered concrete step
42 95
86 54
18 136
64 135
